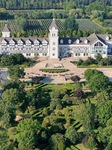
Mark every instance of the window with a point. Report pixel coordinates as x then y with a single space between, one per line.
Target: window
28 54
36 54
44 54
53 34
69 41
53 54
61 41
53 49
54 43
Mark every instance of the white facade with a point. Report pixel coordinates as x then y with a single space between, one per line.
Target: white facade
6 32
56 47
53 43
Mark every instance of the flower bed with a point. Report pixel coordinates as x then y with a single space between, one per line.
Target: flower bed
54 70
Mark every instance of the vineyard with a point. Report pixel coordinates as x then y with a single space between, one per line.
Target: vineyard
87 24
43 24
11 24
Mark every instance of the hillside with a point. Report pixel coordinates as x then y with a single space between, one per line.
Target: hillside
43 24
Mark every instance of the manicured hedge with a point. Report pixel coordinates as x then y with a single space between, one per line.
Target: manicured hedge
54 70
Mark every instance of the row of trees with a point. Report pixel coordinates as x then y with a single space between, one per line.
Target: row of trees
16 4
94 10
98 61
14 59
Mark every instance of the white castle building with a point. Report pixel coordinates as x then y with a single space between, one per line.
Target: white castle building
55 46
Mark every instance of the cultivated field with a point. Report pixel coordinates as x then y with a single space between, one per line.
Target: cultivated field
43 24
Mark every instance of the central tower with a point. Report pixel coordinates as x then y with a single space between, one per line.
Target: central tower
53 40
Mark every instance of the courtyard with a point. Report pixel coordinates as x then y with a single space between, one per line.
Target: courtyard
60 77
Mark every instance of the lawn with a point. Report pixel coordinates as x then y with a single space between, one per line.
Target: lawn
68 86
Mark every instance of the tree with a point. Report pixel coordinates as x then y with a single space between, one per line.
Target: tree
79 93
12 59
75 78
104 135
98 83
27 133
85 115
102 96
57 142
71 135
19 58
15 72
7 60
98 58
68 5
70 24
12 99
22 22
91 144
4 139
15 84
104 111
89 73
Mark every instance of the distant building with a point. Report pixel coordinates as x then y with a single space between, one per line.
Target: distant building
55 46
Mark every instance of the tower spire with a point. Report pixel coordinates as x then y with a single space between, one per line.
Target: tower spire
53 24
6 31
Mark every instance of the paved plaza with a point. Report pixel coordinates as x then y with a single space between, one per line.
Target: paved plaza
60 77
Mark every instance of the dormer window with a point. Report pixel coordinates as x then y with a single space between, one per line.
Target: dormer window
12 42
77 41
107 38
28 42
4 43
85 41
44 42
36 42
69 41
61 41
20 42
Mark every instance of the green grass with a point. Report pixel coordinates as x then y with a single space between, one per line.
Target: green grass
68 86
94 66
